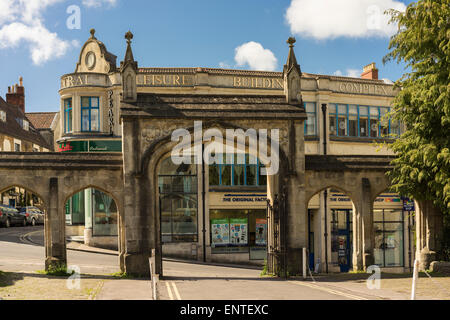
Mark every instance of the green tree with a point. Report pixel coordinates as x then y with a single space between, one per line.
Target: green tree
422 167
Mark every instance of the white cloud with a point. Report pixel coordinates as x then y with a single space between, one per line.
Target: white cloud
354 73
255 56
98 3
21 22
322 19
224 65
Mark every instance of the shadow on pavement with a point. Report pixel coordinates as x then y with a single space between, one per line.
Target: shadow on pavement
10 278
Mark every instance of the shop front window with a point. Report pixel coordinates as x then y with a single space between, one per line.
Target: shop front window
105 214
341 238
75 209
178 194
239 231
388 228
90 111
234 173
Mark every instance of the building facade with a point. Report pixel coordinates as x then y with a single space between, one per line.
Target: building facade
219 212
18 134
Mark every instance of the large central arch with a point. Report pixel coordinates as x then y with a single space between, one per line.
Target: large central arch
161 148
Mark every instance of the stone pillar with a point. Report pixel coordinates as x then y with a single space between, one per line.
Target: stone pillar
429 228
357 240
363 234
135 258
297 227
297 206
88 226
55 235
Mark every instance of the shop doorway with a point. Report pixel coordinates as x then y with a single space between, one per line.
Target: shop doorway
342 237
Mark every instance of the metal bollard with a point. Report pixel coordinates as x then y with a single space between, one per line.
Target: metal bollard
415 276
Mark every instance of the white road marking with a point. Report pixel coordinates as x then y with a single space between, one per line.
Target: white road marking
339 293
176 291
169 291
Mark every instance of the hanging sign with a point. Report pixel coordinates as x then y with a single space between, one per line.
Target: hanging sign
408 205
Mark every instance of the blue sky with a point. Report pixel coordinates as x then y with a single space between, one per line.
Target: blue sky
333 37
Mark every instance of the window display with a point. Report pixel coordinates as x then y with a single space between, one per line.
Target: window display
239 231
388 228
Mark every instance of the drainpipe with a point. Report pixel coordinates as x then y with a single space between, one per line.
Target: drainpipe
325 194
203 206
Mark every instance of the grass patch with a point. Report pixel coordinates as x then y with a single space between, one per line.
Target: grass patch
264 270
59 270
357 272
121 275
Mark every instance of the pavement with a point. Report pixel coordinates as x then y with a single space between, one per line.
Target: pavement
23 254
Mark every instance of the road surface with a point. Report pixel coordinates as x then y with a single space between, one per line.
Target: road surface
22 251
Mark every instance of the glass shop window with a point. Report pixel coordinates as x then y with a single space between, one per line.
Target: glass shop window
239 231
389 233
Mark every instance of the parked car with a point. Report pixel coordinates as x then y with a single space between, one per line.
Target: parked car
34 215
10 216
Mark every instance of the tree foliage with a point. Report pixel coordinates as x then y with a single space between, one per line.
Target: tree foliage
422 167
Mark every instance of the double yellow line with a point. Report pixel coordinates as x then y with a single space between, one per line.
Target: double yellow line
175 290
328 290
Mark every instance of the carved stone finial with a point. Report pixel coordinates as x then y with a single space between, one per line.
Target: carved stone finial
129 36
92 31
291 41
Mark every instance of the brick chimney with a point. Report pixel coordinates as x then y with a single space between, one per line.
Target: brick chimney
370 72
16 95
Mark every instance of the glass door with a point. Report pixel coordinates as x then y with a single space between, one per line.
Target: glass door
342 238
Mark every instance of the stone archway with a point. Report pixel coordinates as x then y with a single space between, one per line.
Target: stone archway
147 197
333 220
